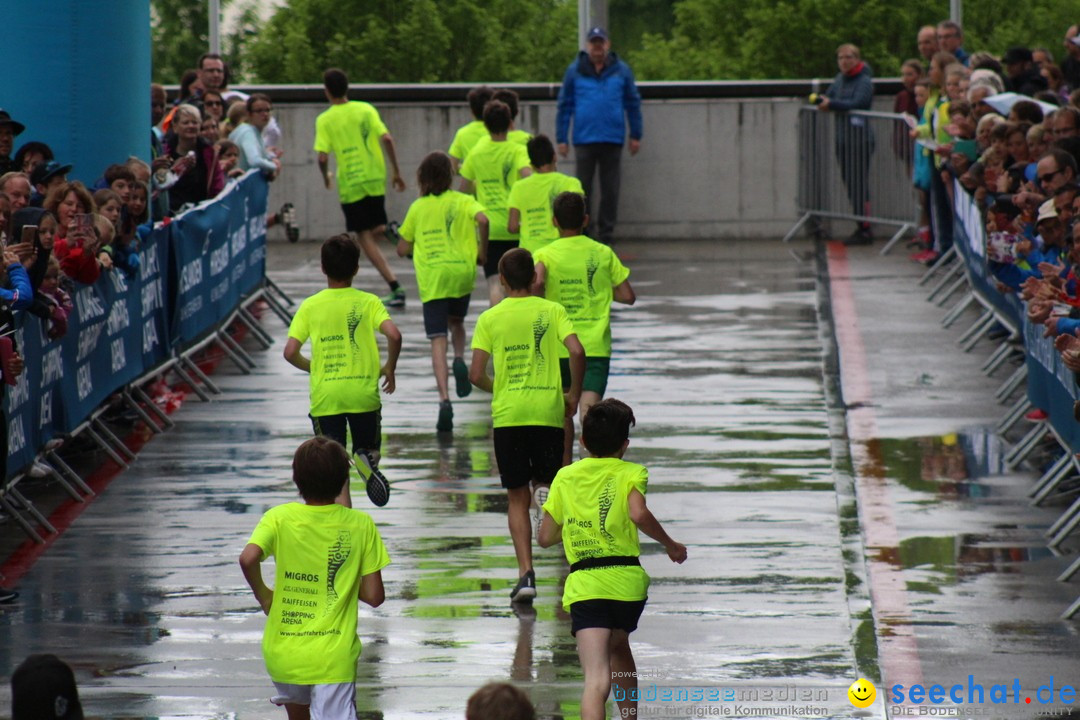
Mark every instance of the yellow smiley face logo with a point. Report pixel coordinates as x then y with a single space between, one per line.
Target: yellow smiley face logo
862 693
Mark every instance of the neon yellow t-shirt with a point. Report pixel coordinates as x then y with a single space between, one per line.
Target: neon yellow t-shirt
442 230
466 138
493 168
345 362
589 500
581 276
351 132
523 336
532 197
321 553
521 137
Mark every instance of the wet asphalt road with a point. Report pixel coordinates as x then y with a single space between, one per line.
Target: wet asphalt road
721 361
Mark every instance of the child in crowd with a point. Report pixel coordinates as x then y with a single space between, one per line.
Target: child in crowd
229 158
446 232
490 172
108 205
326 558
499 701
523 334
595 508
468 134
530 198
341 322
58 300
584 276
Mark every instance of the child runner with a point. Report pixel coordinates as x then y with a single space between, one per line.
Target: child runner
468 134
523 334
583 276
354 133
442 231
595 508
344 364
489 172
327 557
531 198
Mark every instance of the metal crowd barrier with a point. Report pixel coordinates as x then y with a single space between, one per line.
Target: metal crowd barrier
855 166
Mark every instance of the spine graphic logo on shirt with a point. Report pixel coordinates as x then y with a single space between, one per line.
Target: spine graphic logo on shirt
339 552
607 499
365 130
353 319
540 328
591 266
507 171
450 217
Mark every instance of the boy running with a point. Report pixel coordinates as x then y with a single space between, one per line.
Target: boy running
489 171
442 231
595 508
327 557
468 134
354 133
523 334
583 276
344 364
531 199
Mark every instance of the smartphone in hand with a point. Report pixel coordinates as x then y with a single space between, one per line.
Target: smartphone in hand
29 234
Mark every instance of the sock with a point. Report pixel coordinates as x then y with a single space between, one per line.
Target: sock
394 285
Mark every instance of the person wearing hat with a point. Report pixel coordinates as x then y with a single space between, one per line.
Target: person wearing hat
44 178
43 688
1024 77
599 98
8 130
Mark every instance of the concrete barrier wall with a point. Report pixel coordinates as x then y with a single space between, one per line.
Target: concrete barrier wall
708 168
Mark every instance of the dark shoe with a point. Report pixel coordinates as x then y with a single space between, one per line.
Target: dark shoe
378 487
461 378
862 236
525 590
395 298
446 417
7 596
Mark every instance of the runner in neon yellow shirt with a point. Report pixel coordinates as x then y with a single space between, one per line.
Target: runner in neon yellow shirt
583 276
355 135
489 173
469 134
447 233
595 508
341 322
530 199
523 334
327 557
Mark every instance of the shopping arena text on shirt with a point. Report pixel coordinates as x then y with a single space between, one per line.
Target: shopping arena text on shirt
973 693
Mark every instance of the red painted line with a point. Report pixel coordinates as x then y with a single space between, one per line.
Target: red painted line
897 646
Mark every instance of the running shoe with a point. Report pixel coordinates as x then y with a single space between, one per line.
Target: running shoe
525 590
540 496
1036 415
446 417
394 298
7 596
378 487
461 377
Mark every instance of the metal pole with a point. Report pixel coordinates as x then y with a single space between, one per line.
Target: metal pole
956 11
582 22
215 26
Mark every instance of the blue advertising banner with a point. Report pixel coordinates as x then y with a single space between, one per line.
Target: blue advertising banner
219 252
1050 385
121 327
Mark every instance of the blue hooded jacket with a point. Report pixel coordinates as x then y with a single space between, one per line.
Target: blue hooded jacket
600 104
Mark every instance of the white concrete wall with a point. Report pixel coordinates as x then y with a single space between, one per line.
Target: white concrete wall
707 168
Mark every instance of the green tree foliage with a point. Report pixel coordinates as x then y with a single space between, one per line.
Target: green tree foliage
415 41
758 39
178 36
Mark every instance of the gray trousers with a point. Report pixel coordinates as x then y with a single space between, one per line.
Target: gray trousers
608 157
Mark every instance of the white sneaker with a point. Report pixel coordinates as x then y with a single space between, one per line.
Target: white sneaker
39 470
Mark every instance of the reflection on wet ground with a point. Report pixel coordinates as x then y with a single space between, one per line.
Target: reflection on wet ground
720 361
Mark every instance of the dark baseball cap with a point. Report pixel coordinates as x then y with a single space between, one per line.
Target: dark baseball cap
45 172
1017 55
43 688
5 119
597 33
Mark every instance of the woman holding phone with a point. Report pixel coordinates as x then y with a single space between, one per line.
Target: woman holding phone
76 245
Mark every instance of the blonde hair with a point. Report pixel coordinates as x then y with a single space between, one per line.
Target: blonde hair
187 109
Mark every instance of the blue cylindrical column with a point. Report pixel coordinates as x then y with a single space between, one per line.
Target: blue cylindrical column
77 75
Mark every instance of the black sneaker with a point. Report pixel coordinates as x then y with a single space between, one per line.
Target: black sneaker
525 590
446 417
7 596
461 378
861 236
378 487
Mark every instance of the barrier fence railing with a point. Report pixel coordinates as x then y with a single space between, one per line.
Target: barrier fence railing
855 166
197 276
